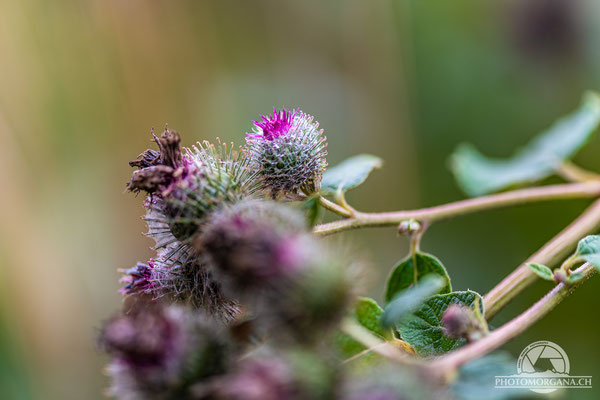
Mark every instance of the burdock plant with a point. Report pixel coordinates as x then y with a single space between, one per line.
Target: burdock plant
243 299
287 149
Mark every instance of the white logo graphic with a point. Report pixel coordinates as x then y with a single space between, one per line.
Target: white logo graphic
543 367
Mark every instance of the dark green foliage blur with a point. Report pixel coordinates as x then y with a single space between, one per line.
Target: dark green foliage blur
83 81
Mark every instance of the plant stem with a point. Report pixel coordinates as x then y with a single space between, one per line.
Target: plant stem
448 364
334 208
552 252
386 349
573 173
431 214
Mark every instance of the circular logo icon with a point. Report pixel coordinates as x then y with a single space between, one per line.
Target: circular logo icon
541 360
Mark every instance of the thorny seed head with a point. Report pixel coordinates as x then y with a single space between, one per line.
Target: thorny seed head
289 151
192 182
178 272
215 175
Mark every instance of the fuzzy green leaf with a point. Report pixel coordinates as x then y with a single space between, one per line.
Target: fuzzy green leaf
349 173
589 249
423 330
476 379
409 300
368 313
403 275
478 175
542 271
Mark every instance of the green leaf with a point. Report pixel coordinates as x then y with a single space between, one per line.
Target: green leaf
574 278
423 330
589 249
349 173
478 175
409 300
312 209
542 271
403 275
368 313
476 380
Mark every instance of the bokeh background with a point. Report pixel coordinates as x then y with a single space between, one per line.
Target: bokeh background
82 83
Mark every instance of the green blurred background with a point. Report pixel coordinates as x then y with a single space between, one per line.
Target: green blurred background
82 83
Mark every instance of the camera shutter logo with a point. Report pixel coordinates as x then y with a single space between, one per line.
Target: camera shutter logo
543 367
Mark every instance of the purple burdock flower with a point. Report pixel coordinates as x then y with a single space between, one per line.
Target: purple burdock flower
258 379
271 127
255 244
145 338
185 187
386 381
377 394
192 182
158 352
178 272
138 279
271 374
288 149
264 255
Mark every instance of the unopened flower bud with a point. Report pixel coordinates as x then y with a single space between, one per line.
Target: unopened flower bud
560 276
457 321
254 244
461 322
409 227
288 148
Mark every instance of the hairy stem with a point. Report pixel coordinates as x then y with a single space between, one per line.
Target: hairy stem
334 208
431 214
448 364
551 253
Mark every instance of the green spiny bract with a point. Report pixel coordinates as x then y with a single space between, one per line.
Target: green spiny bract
289 151
214 176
